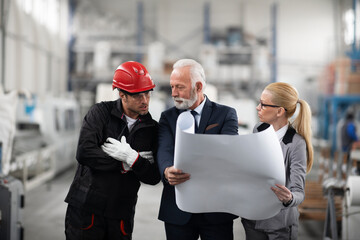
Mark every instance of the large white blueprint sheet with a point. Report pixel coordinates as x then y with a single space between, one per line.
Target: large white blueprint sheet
229 173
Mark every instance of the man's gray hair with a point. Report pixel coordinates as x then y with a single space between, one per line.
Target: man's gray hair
197 73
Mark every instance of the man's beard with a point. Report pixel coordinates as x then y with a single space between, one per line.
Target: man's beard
186 103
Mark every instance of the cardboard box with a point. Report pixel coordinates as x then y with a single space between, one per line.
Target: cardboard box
353 78
353 88
353 83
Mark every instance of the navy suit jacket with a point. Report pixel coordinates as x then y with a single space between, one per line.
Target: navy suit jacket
215 119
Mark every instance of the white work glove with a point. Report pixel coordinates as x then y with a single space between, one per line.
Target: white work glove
125 167
120 150
148 155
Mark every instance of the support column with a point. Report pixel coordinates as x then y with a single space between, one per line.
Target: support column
140 30
273 44
206 22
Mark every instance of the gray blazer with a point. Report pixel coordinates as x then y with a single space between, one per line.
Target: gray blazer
295 155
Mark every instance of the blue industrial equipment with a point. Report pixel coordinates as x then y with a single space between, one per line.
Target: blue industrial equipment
332 109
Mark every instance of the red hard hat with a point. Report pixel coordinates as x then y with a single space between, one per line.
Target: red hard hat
132 77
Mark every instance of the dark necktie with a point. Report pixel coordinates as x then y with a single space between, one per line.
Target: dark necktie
194 113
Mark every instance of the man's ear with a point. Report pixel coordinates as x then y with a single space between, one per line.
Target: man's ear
122 95
198 86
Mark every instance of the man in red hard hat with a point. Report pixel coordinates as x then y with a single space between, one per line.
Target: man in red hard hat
116 150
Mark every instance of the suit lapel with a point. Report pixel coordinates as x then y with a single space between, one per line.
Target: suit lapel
180 111
284 148
205 116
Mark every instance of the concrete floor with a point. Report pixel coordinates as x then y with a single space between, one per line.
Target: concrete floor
45 209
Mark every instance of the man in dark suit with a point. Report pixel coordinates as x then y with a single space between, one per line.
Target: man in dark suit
187 83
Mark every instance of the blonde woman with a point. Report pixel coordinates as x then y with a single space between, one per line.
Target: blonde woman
277 105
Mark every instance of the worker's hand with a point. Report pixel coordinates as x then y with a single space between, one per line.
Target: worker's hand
282 192
125 167
147 155
175 176
120 150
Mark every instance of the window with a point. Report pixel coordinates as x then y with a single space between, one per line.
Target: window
45 12
349 27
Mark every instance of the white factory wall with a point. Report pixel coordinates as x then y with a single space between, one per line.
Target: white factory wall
36 58
306 40
305 30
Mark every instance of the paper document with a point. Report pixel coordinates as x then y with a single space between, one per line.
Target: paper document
229 173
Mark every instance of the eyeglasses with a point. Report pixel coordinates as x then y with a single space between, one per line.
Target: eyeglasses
140 96
262 105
